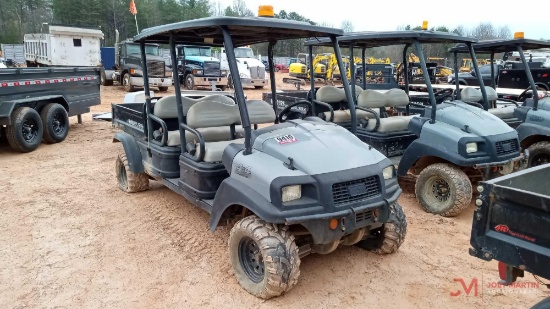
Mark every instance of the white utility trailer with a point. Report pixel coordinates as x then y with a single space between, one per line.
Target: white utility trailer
64 46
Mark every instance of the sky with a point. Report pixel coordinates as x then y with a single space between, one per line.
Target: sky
381 15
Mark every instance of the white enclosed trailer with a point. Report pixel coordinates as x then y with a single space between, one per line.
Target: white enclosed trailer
64 46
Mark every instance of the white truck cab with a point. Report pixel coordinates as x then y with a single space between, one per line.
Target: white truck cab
252 71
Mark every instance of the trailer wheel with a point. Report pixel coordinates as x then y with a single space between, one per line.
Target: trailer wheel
163 89
129 181
443 189
388 238
26 130
190 81
539 153
56 123
127 83
264 257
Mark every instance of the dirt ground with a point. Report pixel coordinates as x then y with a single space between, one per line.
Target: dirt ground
69 238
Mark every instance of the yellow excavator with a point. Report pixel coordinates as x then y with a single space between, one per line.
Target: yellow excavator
300 69
467 64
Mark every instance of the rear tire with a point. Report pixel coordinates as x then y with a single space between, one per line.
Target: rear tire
443 189
26 131
388 238
56 123
163 89
129 181
539 153
264 257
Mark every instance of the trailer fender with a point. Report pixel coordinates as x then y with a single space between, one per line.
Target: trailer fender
132 151
234 193
7 107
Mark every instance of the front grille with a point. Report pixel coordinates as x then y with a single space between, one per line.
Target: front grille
212 69
507 147
257 72
364 216
155 68
355 190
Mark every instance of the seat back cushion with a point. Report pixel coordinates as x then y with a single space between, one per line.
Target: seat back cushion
330 94
260 112
396 97
166 107
491 94
220 98
371 99
470 94
206 114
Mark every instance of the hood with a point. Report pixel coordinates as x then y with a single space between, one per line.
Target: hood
149 57
317 148
479 122
202 59
252 62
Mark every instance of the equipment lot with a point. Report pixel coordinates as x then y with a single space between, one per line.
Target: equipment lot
70 238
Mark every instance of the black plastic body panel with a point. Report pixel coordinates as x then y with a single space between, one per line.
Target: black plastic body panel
389 144
201 179
512 225
160 162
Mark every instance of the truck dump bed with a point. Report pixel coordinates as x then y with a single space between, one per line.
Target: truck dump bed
512 225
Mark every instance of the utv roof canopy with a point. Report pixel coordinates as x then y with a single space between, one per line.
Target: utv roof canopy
243 31
502 46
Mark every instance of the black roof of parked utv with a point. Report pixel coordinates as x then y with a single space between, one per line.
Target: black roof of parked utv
244 31
501 46
375 39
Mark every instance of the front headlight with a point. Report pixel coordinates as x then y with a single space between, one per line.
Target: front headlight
388 172
197 72
471 147
291 193
136 72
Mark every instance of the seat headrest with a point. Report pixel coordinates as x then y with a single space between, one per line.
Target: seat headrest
491 94
470 94
396 97
206 114
330 94
371 99
166 107
260 112
220 98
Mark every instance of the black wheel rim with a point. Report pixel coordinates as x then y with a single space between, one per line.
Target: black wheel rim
437 190
59 124
540 159
121 176
251 259
30 130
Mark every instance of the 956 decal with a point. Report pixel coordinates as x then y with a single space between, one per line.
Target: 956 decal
286 139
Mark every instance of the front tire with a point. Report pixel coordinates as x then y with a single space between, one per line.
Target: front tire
56 123
388 238
129 181
190 82
264 257
443 189
539 154
26 130
127 83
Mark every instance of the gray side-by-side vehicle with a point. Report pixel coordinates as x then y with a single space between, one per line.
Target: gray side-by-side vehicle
299 186
449 147
530 116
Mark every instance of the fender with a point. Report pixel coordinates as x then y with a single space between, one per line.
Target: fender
7 107
233 192
131 149
530 129
418 150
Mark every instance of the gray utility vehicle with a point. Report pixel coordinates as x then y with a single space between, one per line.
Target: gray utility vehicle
532 118
36 103
449 147
512 224
285 201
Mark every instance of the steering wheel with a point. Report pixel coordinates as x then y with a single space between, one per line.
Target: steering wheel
283 115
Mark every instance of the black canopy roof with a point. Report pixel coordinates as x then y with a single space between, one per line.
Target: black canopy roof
501 46
386 38
244 31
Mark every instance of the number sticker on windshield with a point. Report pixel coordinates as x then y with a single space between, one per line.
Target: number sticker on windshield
286 139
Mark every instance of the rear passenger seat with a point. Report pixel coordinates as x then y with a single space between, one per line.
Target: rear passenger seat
331 95
471 94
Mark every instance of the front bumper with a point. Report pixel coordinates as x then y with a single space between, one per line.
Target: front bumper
208 81
153 81
253 82
497 169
